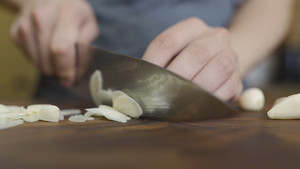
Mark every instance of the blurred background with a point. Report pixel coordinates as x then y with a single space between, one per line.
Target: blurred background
19 78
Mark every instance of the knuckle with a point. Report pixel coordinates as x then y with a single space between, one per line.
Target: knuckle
24 28
38 16
57 50
165 42
195 20
226 66
199 53
222 32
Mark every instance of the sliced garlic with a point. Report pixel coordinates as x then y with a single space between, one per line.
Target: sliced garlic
252 99
11 123
106 96
80 118
4 109
69 112
118 93
109 113
61 116
96 87
287 108
36 107
49 113
127 106
3 120
77 118
9 115
30 118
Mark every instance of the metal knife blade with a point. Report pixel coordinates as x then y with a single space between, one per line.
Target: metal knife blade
161 94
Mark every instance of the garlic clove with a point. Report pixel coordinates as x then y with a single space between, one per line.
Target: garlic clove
287 108
252 99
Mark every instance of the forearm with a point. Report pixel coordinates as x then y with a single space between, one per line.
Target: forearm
258 28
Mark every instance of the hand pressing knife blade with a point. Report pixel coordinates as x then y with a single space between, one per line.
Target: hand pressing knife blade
161 94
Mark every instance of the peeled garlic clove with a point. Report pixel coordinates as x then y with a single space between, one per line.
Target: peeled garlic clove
49 113
109 113
11 123
288 108
252 99
96 87
127 106
279 100
4 109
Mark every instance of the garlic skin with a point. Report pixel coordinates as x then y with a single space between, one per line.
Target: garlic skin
252 99
287 108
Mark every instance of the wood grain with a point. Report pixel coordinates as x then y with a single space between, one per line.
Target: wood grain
248 140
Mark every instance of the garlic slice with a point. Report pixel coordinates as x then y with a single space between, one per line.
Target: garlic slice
252 99
69 112
127 106
36 107
287 108
118 93
80 118
77 118
4 109
49 113
96 87
30 118
106 96
109 113
11 123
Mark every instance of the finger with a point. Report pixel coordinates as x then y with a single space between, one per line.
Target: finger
65 35
25 37
87 35
44 20
169 43
218 70
88 32
195 56
231 89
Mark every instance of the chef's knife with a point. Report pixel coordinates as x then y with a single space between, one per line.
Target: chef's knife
161 94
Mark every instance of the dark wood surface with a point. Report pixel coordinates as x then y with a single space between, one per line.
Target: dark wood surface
248 140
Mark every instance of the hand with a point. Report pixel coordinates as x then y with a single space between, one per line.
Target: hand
47 30
199 53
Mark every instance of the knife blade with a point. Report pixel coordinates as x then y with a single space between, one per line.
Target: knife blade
162 94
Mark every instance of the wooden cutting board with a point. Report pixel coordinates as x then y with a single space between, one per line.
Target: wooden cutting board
249 140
